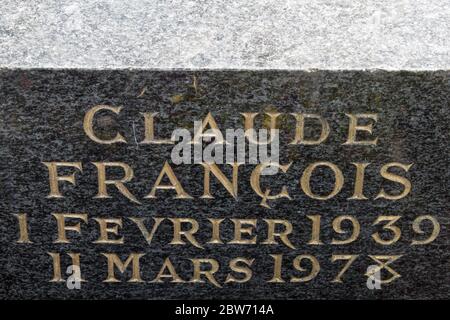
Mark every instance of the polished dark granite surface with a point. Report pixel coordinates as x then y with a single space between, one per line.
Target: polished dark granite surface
42 112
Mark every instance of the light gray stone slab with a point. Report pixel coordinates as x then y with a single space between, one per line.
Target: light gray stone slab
270 34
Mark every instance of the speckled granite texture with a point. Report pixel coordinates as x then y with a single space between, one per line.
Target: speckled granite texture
241 34
41 114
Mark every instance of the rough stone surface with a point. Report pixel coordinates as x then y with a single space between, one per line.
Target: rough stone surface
222 34
41 114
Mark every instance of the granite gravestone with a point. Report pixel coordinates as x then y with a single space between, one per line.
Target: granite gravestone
95 207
